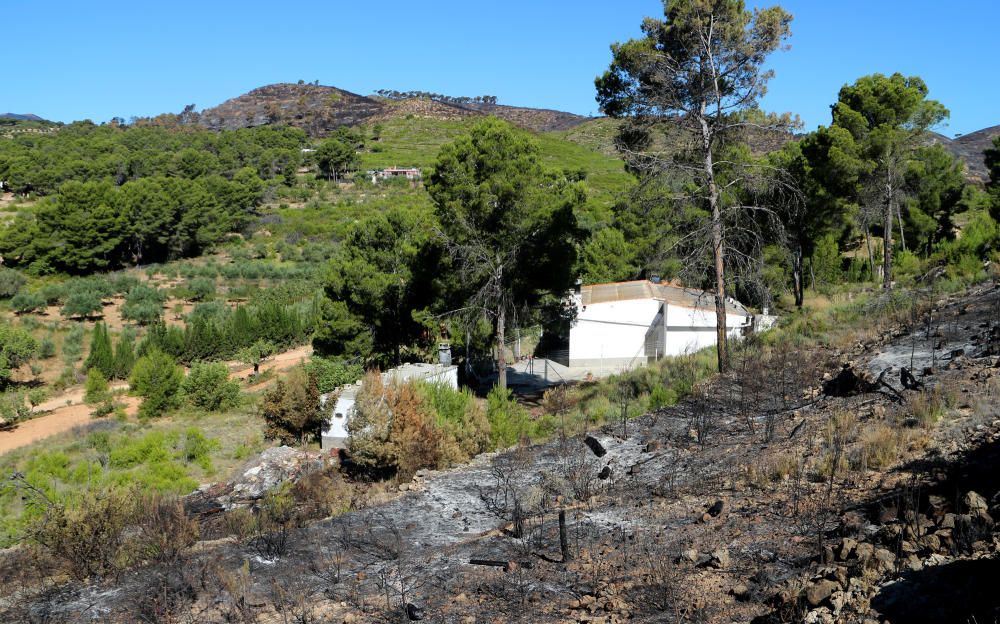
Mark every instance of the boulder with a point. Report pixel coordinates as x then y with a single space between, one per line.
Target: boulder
885 561
847 546
820 591
973 502
720 558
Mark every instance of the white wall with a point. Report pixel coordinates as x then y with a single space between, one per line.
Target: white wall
612 335
613 332
691 329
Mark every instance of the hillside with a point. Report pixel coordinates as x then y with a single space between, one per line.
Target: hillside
315 109
319 109
970 148
20 117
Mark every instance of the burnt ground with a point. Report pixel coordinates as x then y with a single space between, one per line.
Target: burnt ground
720 509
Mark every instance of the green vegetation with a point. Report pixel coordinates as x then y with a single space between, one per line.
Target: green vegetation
157 379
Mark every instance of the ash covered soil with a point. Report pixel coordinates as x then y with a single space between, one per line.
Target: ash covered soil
758 499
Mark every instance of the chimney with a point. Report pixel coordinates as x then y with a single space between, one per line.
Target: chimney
444 353
578 286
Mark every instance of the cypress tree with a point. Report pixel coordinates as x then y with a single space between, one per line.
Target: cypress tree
124 358
100 357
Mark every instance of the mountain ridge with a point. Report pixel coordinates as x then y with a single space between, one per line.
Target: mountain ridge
320 109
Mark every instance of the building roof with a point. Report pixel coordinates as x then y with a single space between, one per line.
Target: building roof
645 289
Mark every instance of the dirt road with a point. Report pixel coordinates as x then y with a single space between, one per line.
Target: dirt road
67 410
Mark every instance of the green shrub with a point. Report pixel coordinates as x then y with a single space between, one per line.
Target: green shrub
143 305
661 396
508 419
331 374
157 379
11 281
201 289
46 348
197 448
82 304
96 388
208 387
26 302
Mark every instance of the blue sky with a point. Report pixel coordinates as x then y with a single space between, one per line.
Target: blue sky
74 59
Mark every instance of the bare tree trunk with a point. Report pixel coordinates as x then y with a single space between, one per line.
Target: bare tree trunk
871 252
797 276
887 245
563 537
722 346
501 355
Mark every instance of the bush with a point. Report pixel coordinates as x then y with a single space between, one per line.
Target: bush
100 356
82 304
143 305
208 387
392 427
96 388
46 348
331 374
201 289
26 302
508 419
11 281
197 448
158 380
291 410
460 418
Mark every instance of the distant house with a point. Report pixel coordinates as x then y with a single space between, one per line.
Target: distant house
410 173
335 434
625 324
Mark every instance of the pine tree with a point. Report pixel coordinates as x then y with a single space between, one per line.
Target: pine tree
100 357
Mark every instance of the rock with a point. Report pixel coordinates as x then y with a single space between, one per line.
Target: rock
819 616
973 502
653 446
690 555
720 558
818 592
605 473
595 445
716 508
847 546
837 600
930 542
948 522
864 552
828 556
885 561
914 564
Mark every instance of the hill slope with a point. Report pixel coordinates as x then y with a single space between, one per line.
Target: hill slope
970 148
320 109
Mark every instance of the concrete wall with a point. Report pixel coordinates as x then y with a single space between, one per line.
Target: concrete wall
615 335
611 334
690 330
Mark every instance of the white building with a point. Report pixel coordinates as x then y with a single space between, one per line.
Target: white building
625 324
335 433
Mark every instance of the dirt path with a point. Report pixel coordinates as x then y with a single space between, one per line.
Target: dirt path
67 410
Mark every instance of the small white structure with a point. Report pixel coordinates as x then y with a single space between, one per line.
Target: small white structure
626 324
410 173
335 433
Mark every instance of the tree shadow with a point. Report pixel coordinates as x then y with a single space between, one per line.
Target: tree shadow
961 592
